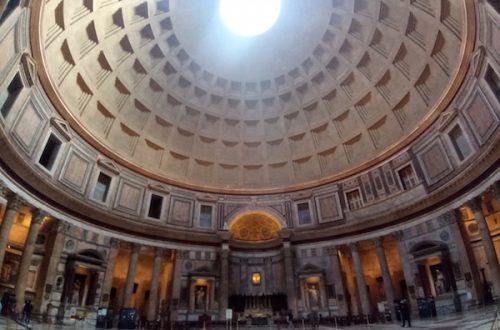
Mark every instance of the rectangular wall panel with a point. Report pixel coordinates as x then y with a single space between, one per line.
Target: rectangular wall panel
328 207
480 117
129 197
28 127
75 171
181 211
434 161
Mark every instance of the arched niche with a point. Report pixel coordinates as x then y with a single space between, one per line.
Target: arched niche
255 226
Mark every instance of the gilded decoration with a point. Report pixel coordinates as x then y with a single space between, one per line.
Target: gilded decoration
255 227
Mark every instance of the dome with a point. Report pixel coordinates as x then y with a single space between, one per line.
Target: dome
155 162
162 87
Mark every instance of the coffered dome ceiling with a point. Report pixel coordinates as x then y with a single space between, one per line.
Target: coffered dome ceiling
335 86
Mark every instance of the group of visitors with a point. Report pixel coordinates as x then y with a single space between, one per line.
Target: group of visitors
8 307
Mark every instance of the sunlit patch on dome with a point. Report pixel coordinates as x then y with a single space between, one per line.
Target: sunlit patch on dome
249 18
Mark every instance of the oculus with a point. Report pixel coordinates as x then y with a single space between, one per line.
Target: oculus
249 18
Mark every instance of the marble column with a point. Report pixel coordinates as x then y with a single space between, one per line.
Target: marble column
29 247
465 256
289 278
386 275
48 272
155 284
176 285
224 281
338 279
407 269
488 245
13 204
114 247
129 284
360 279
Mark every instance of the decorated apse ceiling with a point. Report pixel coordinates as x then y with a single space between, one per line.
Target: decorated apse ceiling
333 87
254 227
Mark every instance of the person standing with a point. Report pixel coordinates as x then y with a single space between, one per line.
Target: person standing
405 312
28 308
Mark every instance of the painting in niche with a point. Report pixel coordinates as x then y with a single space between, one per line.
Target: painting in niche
441 282
10 268
31 282
200 297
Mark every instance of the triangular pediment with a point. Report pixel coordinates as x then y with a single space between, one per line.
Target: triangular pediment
446 117
202 271
310 268
478 60
206 198
159 187
29 66
62 127
109 165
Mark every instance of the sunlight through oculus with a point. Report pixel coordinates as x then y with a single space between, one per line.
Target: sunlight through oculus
249 17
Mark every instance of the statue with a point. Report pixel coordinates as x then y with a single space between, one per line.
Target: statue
440 282
313 291
75 293
200 297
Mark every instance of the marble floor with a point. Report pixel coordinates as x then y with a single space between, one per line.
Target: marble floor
481 319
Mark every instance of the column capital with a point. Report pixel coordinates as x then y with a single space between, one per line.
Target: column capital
61 226
354 246
14 202
38 216
475 204
4 191
399 235
495 189
379 241
285 234
332 250
136 248
114 243
169 254
159 252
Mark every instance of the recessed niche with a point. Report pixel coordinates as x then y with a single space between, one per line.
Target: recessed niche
155 206
50 152
9 97
101 188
